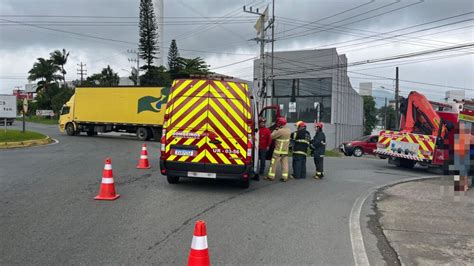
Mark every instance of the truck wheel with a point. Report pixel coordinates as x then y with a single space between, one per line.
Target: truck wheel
172 179
358 152
408 164
70 129
143 133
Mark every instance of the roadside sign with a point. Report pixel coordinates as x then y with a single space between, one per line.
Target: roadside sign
292 107
25 106
44 113
7 106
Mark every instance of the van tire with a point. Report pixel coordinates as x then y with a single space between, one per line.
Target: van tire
70 131
143 133
172 179
245 183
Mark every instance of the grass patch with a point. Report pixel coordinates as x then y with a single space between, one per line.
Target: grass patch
40 120
332 153
17 135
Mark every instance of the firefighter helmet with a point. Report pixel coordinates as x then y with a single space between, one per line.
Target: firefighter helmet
300 124
281 121
318 124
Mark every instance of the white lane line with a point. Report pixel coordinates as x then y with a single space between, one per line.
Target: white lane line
357 240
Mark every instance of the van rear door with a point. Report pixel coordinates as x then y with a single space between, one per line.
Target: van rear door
228 122
187 122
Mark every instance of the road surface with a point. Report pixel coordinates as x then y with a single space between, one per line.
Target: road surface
48 215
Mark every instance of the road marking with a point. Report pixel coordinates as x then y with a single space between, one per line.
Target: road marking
357 240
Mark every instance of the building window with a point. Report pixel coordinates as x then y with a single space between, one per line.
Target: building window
306 93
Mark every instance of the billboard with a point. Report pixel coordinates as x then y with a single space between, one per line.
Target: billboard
7 106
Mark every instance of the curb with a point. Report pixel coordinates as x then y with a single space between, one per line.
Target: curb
26 143
357 239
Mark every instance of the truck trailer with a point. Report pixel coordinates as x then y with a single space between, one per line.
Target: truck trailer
137 110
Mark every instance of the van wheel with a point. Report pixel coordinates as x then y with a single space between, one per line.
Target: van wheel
143 133
70 129
172 179
245 183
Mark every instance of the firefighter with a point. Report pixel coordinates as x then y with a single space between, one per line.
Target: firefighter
281 136
319 146
265 139
301 140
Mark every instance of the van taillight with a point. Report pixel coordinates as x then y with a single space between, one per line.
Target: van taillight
249 149
163 142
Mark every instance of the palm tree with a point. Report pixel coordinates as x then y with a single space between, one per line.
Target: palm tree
44 70
193 65
60 58
109 77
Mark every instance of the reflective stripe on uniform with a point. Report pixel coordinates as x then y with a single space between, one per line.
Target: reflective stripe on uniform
302 140
300 152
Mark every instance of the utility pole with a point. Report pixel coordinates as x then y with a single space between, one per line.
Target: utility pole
81 71
136 60
385 114
397 109
260 27
273 44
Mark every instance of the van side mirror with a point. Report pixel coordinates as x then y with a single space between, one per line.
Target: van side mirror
256 129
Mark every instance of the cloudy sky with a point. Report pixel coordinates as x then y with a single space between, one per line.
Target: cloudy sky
99 32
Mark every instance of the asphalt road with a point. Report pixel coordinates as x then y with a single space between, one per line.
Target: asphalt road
48 215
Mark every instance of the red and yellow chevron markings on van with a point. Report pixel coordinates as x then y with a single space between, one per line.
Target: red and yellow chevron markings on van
426 144
204 106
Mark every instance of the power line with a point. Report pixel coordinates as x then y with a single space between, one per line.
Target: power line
308 32
70 32
328 17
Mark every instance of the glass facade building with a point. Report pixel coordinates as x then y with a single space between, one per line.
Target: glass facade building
308 94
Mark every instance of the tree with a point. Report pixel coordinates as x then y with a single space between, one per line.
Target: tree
156 76
173 56
45 71
370 114
58 100
390 117
45 96
148 33
107 77
189 66
60 59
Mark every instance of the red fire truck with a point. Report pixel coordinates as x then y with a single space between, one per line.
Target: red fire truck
426 134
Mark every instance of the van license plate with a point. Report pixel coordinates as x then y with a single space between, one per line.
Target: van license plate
202 175
184 152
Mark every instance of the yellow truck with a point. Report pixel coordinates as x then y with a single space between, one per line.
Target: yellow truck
137 110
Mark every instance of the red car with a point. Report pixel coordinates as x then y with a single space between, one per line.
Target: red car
360 146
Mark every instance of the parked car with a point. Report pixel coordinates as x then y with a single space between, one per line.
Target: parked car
360 146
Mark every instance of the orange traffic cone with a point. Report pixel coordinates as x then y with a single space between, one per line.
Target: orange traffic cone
143 163
107 188
199 255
